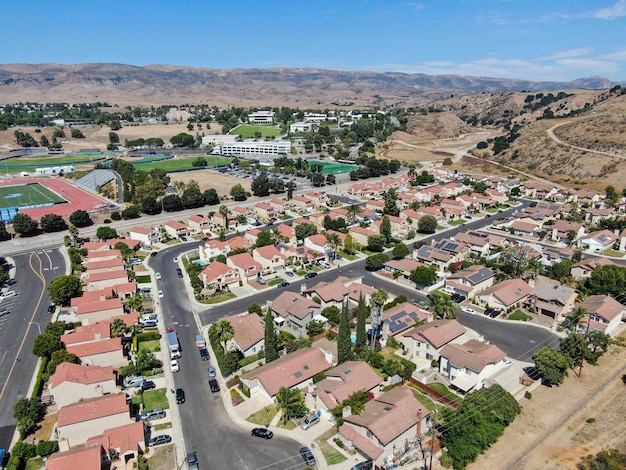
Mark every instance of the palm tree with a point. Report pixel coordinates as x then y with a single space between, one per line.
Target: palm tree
378 300
334 241
118 328
134 303
224 211
353 211
443 306
225 332
288 399
572 321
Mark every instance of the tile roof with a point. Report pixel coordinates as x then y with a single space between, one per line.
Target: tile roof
93 408
290 303
102 346
116 274
474 355
334 291
249 329
509 292
84 375
603 306
85 458
106 263
438 332
474 274
361 442
403 316
553 291
99 306
289 370
126 438
389 415
86 333
347 378
92 255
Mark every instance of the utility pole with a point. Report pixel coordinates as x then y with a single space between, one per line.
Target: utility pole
584 348
433 427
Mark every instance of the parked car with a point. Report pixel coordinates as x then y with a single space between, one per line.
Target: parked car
158 276
174 365
309 421
52 307
288 273
283 284
154 253
192 461
4 312
323 264
180 396
469 311
261 281
156 413
8 295
307 455
159 440
134 382
179 272
160 294
148 385
204 354
262 432
149 323
310 275
211 371
215 387
10 282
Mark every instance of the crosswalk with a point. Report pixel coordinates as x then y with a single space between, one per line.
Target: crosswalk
6 304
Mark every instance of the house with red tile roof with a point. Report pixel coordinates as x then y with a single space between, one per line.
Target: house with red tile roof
552 299
269 257
584 268
303 204
424 342
92 312
249 337
318 198
72 383
316 242
85 458
146 235
281 205
470 281
251 236
104 352
129 319
468 365
105 265
360 234
104 254
264 211
245 264
387 422
375 205
403 266
294 311
87 333
341 381
561 229
97 281
176 229
435 211
331 294
129 440
505 295
76 423
605 314
287 233
295 370
218 275
220 221
478 242
198 223
402 317
97 246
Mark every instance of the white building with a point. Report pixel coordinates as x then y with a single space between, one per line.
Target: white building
269 148
301 127
261 117
219 139
315 117
54 170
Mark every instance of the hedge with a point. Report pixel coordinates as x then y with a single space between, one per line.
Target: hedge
39 382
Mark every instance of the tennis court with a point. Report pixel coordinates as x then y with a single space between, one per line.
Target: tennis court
335 168
23 195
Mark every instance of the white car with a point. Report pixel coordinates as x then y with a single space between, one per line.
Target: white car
8 295
174 365
160 294
158 276
469 311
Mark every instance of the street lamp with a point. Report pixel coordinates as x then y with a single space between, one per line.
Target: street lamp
35 323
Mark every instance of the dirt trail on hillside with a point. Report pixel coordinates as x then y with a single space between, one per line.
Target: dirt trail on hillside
559 425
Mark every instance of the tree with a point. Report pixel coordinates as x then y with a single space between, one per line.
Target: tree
606 280
443 305
277 186
255 308
427 224
317 179
182 140
333 241
353 211
150 206
28 412
290 187
4 234
350 246
225 332
344 342
223 210
376 262
132 212
192 197
314 328
424 276
264 238
106 233
80 219
305 230
63 288
199 162
77 134
24 225
118 328
271 346
210 197
390 197
607 459
560 270
400 250
331 179
376 243
291 403
385 228
260 186
60 356
238 193
52 223
46 343
361 318
552 366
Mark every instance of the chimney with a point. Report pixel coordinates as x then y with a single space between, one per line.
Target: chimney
347 411
420 418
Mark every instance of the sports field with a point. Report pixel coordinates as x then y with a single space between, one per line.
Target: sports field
28 162
180 164
27 195
335 168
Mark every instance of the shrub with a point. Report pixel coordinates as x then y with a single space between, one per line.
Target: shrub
23 450
528 395
107 221
46 448
115 215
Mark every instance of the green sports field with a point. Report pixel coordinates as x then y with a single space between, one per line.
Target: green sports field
335 168
179 164
27 195
28 163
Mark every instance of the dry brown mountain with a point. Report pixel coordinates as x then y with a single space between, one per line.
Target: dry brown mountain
168 84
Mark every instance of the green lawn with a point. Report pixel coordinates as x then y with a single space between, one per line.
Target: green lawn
219 298
275 282
334 167
345 255
143 279
155 399
15 165
177 164
520 316
441 388
454 223
247 131
35 464
27 194
264 416
301 273
331 455
150 346
423 399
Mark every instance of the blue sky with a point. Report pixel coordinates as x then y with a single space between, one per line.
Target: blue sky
528 39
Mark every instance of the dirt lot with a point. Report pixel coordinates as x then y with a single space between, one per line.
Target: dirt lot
559 425
208 179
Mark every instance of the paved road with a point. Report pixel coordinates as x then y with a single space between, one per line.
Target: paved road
19 329
206 426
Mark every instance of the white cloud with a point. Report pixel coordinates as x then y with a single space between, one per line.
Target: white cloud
569 53
616 11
